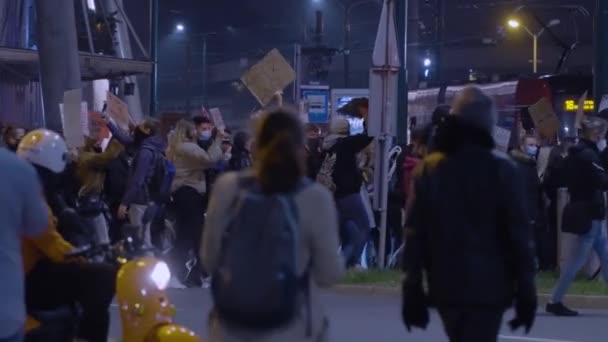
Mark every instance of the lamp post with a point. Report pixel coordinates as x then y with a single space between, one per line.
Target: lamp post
516 24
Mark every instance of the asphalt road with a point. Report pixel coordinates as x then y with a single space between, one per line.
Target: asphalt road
365 318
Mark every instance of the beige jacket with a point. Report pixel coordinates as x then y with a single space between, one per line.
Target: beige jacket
318 247
191 161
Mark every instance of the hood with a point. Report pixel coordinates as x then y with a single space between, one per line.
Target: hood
155 143
522 157
331 140
455 134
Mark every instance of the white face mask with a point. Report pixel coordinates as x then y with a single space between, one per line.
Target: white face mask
601 144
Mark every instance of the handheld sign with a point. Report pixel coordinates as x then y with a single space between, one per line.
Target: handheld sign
502 137
218 120
119 111
544 118
270 75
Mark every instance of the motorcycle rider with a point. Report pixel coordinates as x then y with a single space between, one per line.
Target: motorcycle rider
52 280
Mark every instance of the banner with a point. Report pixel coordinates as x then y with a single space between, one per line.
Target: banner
118 111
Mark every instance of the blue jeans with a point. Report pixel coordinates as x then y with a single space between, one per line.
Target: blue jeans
593 240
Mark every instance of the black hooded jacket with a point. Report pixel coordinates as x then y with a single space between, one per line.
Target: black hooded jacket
467 226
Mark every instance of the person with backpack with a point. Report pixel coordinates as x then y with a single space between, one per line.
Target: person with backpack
188 191
147 184
270 241
340 173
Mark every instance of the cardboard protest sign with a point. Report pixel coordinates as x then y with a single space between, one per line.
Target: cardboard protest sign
98 129
71 118
544 118
218 120
269 76
580 110
603 104
502 137
118 111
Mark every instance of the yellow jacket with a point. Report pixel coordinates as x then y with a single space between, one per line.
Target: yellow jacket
49 245
90 169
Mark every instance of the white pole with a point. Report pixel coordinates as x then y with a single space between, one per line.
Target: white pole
535 53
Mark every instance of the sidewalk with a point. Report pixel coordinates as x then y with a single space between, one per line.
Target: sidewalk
586 295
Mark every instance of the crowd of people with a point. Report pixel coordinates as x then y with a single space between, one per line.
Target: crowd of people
261 217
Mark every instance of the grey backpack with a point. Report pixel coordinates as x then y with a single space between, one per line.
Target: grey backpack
256 285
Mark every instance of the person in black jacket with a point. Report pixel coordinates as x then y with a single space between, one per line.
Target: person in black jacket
525 157
348 179
467 230
241 152
585 214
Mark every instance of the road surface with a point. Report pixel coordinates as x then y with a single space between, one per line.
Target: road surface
365 318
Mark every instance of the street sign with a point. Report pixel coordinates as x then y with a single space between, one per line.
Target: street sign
316 102
269 76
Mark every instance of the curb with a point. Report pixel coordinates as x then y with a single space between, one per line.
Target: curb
578 302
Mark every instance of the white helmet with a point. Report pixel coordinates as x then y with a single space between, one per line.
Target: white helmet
44 148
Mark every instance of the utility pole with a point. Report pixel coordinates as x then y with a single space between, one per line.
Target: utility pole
205 72
600 65
154 56
58 55
402 16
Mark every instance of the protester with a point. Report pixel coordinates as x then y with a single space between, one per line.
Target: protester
23 213
526 159
91 171
315 154
241 153
204 130
11 137
138 203
585 214
467 230
52 281
279 170
188 190
341 174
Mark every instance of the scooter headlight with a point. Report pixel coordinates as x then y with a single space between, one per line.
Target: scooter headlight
161 275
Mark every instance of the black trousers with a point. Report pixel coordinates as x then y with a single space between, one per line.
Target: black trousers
471 324
90 286
189 210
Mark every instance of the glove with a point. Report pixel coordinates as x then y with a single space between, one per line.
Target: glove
525 308
414 309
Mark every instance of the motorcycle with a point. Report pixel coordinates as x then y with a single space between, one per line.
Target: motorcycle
145 310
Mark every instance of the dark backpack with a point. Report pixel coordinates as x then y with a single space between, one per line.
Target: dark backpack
159 183
256 286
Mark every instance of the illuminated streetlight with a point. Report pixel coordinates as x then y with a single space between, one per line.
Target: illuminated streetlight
427 62
180 27
514 23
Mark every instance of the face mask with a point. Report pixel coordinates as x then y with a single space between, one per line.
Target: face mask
601 144
532 151
205 135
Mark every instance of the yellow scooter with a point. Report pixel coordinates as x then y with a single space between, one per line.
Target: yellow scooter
145 311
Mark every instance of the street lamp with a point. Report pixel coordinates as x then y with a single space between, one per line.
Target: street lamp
516 24
180 27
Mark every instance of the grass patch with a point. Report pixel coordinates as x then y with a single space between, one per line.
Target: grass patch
545 282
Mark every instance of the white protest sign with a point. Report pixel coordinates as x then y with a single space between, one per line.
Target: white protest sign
580 110
119 111
218 120
502 137
603 104
71 118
